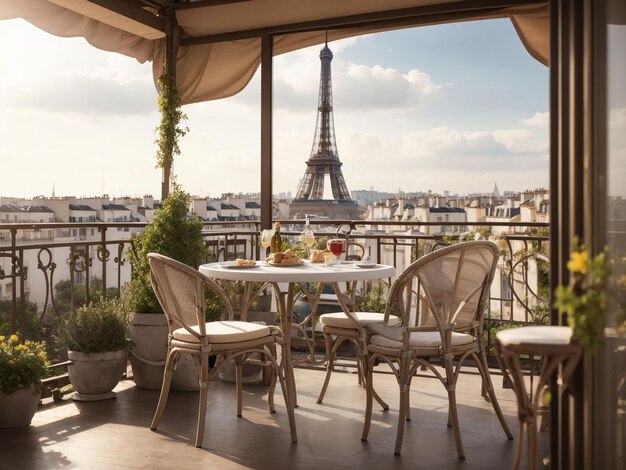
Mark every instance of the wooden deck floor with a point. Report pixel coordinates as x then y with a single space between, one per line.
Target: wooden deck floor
114 434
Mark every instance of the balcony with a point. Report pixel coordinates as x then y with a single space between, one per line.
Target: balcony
115 433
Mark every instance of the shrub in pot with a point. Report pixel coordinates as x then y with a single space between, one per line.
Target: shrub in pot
175 234
96 337
22 366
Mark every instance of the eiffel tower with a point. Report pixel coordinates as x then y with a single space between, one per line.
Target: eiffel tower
324 160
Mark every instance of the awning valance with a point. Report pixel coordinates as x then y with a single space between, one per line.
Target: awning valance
220 41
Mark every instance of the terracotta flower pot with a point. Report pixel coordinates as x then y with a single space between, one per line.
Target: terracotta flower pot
18 408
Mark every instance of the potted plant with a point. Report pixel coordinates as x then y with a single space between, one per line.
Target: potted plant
96 337
175 234
22 366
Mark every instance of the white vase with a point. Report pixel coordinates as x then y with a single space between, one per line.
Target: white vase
18 408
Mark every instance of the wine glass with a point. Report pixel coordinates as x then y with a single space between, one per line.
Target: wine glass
336 246
266 238
308 237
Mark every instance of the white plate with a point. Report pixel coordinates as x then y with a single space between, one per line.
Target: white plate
232 265
365 264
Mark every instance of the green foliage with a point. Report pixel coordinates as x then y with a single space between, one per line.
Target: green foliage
33 329
170 129
585 298
172 233
298 248
97 327
483 232
374 300
418 249
492 327
450 239
320 243
63 294
22 365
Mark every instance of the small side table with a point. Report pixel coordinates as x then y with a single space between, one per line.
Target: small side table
554 344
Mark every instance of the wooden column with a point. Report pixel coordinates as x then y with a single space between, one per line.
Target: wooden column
267 46
576 201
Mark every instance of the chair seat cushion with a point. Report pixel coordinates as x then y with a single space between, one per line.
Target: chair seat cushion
341 320
422 339
225 332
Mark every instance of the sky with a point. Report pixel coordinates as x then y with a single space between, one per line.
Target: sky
456 108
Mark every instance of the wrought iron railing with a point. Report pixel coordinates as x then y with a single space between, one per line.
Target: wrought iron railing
91 259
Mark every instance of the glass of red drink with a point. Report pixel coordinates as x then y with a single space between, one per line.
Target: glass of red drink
336 246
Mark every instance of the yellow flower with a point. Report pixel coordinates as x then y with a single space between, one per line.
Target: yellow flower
578 262
1 337
14 338
12 362
43 356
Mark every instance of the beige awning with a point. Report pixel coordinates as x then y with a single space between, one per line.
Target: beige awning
220 41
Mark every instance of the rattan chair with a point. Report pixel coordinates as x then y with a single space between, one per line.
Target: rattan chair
338 328
440 300
181 292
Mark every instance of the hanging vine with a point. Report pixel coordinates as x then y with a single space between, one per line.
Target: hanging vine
173 123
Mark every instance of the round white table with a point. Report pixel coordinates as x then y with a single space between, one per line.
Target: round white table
293 275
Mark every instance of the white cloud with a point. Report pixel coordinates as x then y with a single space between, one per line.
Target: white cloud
537 120
77 93
77 118
519 140
439 158
422 82
448 143
361 87
356 87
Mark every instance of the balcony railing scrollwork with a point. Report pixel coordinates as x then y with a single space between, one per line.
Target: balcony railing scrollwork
82 261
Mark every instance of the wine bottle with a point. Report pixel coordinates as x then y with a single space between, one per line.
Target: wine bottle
277 241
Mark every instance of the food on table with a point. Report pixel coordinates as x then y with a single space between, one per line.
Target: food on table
244 262
284 257
317 256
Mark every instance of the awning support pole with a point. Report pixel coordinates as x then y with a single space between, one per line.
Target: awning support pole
267 46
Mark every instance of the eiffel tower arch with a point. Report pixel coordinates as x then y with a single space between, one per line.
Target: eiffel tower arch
324 161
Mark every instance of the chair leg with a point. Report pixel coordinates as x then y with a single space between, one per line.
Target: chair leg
172 357
331 353
362 366
289 399
272 385
239 383
404 382
204 383
369 397
453 412
481 361
520 444
531 457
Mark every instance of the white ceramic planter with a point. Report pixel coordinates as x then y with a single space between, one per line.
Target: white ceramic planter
94 376
18 408
149 333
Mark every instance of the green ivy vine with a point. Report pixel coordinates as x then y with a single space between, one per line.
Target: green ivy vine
173 123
